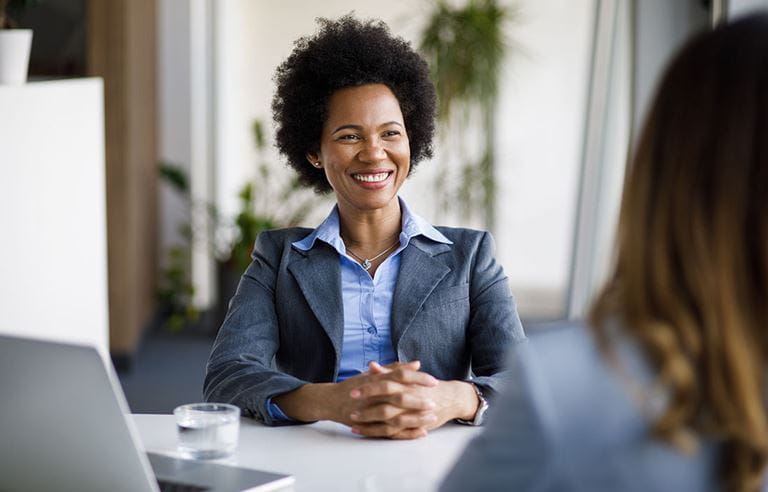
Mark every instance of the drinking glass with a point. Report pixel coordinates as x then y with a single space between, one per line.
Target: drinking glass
207 430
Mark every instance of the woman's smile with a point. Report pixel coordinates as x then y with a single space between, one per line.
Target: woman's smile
373 180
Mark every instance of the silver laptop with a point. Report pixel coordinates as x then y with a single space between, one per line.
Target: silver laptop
64 426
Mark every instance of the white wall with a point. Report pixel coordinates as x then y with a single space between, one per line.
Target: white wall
542 109
174 96
540 121
53 252
185 136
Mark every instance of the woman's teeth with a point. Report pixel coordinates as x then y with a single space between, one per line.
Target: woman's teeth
371 178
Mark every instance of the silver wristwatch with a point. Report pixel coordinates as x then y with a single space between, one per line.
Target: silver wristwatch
482 407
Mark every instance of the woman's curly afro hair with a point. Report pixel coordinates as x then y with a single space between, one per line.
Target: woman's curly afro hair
348 53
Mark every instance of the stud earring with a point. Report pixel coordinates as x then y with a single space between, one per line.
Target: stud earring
316 164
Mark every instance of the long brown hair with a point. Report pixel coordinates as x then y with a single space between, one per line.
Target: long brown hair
690 283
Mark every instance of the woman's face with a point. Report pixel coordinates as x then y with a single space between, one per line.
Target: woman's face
364 147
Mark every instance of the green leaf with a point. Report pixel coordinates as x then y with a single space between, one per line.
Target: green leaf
175 176
258 135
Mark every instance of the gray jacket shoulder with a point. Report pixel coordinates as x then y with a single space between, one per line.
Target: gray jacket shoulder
465 238
568 422
602 411
275 240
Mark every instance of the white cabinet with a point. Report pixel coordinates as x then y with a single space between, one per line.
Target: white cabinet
53 236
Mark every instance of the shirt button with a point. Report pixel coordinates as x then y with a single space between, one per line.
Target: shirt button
372 330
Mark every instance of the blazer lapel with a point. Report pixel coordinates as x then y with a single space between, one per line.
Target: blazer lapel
420 272
318 274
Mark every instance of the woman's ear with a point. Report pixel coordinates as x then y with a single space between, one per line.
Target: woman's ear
314 159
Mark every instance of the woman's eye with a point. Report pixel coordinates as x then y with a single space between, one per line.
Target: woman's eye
350 136
391 133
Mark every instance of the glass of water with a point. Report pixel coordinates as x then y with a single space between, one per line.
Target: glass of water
207 430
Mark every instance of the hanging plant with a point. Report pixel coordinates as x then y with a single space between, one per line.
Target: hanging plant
465 48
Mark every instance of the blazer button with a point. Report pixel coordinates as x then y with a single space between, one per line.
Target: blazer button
372 330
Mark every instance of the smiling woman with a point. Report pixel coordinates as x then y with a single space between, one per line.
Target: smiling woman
375 319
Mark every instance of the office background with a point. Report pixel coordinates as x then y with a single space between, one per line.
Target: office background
184 81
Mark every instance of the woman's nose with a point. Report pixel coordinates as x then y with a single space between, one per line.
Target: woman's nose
372 151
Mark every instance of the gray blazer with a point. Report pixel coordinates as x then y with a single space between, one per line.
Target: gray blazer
568 422
452 310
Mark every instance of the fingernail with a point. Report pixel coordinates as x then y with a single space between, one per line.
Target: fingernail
355 393
431 418
355 430
354 416
431 404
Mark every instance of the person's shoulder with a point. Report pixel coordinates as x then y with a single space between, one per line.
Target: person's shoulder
574 343
463 237
556 335
572 349
598 406
460 232
583 380
281 239
291 234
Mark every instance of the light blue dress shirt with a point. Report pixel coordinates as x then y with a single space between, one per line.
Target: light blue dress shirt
367 300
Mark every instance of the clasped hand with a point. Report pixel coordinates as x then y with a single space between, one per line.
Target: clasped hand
396 401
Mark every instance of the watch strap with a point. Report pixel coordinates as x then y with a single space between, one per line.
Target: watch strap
482 407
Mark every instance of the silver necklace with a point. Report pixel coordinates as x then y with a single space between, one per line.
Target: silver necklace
367 262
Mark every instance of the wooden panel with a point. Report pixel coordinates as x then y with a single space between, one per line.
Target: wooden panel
122 50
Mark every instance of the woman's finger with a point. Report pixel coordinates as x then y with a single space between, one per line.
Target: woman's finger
408 399
382 388
384 412
405 375
376 430
410 434
392 382
408 420
381 412
376 368
378 388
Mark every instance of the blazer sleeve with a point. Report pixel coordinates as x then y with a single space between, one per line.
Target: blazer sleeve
241 369
515 450
494 324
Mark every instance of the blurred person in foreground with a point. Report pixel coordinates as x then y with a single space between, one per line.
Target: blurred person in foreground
375 319
666 389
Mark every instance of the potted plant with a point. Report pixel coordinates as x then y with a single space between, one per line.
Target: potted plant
269 201
176 311
15 44
465 46
272 200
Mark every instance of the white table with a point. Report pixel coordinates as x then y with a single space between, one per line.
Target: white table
326 456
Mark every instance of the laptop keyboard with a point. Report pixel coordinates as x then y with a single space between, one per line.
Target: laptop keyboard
166 486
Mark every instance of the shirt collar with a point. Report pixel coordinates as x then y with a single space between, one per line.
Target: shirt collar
414 225
329 231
